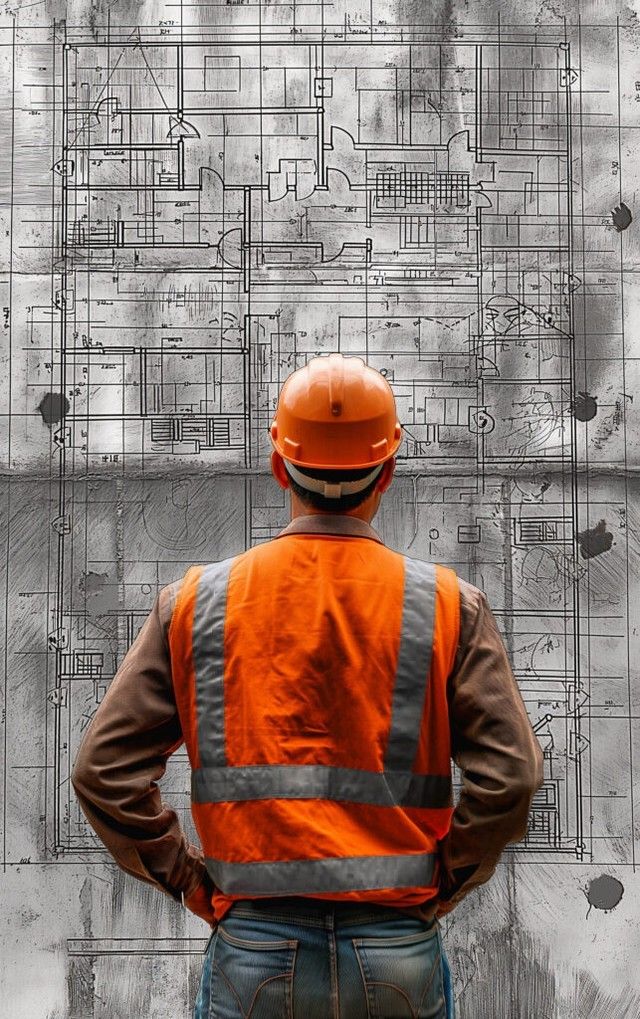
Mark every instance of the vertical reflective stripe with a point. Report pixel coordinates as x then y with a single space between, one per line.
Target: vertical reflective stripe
208 661
414 662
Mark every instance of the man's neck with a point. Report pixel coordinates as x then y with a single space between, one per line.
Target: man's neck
366 511
331 523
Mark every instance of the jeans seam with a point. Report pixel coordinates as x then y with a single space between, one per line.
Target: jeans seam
365 983
333 969
212 949
292 978
258 946
281 917
229 985
342 919
444 989
417 938
437 965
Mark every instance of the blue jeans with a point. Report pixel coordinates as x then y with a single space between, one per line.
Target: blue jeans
295 958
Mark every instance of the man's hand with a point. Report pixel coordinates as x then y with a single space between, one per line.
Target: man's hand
199 902
449 886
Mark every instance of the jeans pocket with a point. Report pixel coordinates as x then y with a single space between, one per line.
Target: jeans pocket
402 976
252 979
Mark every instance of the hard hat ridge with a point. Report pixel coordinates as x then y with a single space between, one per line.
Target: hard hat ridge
336 383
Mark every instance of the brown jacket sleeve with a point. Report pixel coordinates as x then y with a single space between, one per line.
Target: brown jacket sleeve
136 728
123 754
496 749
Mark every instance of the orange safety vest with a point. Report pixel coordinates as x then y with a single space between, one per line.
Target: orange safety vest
310 676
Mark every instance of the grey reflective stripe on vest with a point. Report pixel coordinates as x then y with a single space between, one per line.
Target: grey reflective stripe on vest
336 874
322 782
208 661
414 662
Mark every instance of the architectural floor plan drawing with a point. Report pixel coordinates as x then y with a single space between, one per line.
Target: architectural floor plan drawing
196 199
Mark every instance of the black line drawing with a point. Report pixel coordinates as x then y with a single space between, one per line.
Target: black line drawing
196 207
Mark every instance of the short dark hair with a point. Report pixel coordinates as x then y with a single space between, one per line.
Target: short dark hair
345 502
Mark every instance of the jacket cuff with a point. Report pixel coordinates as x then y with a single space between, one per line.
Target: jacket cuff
191 885
200 901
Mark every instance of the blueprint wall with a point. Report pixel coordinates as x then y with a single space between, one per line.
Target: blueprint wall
196 199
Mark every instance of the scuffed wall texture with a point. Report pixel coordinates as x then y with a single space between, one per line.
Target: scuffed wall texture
196 198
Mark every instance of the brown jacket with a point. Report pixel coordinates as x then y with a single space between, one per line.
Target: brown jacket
136 728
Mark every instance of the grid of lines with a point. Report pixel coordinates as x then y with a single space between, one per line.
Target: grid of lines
411 187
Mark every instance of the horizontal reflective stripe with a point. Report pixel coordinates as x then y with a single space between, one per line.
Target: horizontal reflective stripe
322 782
337 874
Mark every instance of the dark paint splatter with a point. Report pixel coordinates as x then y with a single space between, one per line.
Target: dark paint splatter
595 540
585 407
53 407
605 892
621 217
93 583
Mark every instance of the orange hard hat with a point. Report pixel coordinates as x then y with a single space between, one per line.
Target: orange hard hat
336 412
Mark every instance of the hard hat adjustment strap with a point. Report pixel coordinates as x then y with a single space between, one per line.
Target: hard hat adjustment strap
331 489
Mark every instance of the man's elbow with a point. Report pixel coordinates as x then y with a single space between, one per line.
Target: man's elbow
522 791
526 771
81 776
528 777
533 770
77 777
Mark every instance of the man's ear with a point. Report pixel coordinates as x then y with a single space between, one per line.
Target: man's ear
386 475
279 470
